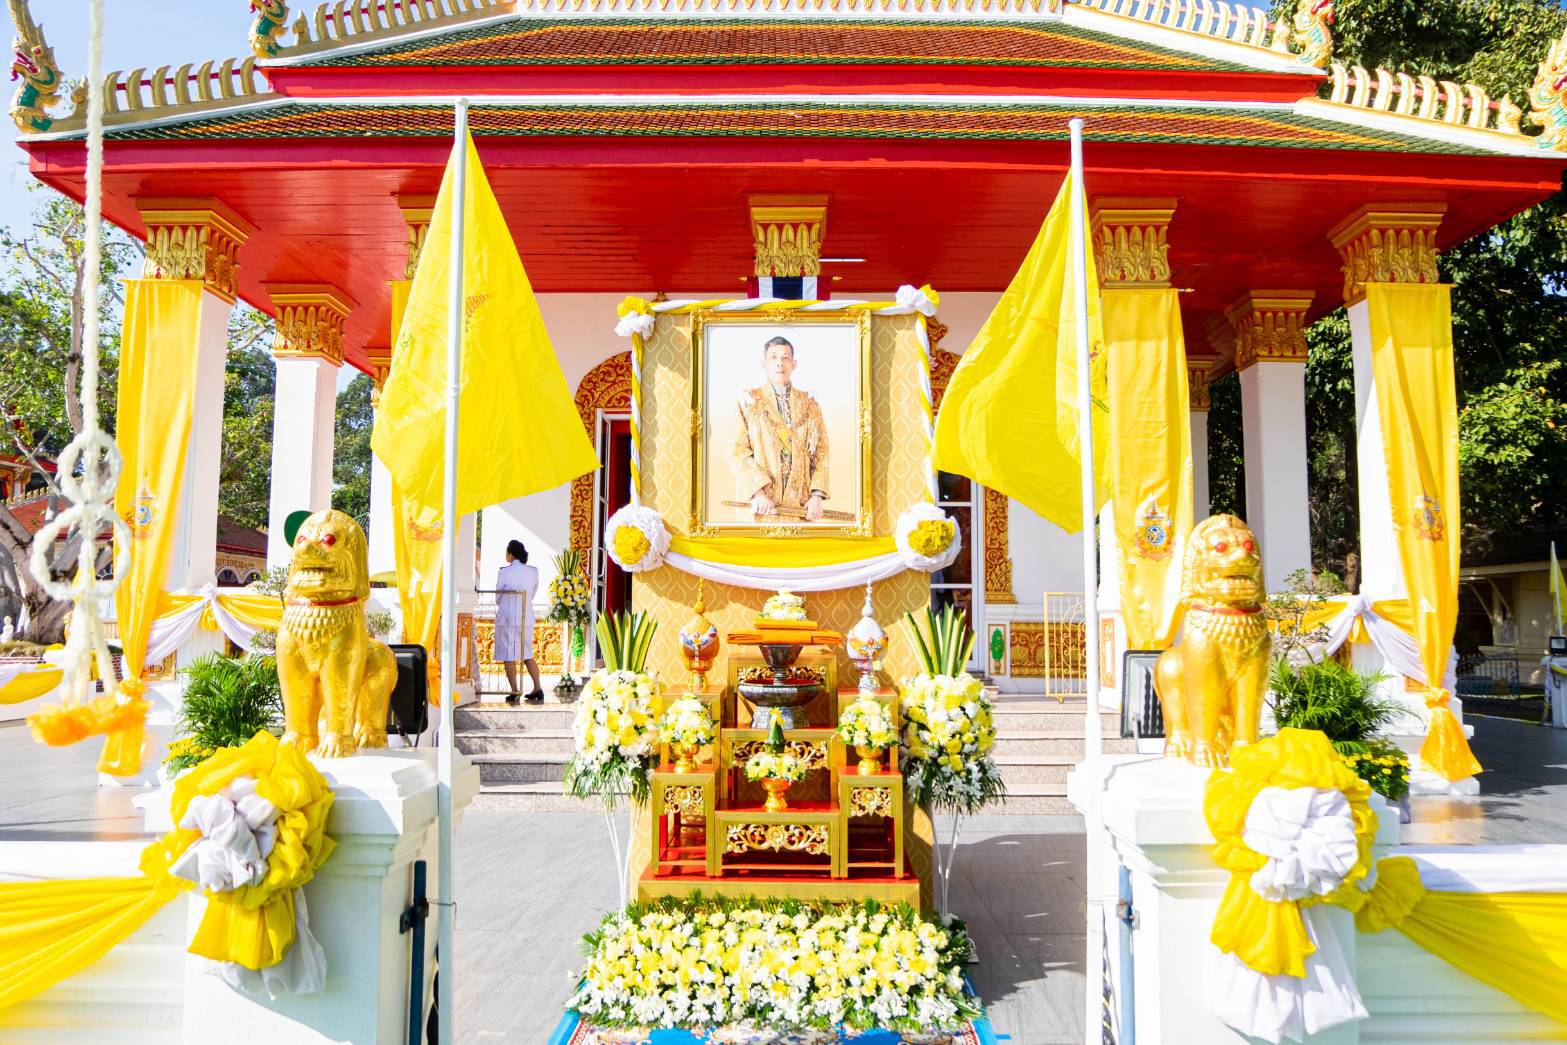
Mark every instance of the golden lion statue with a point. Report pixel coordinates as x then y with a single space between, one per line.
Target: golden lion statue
337 681
1211 682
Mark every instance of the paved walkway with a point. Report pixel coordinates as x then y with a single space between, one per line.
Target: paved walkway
530 884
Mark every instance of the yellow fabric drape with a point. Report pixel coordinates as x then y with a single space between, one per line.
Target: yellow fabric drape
156 399
257 611
52 930
1412 362
1395 611
1149 457
416 549
795 552
30 685
1516 942
1271 937
511 381
1009 416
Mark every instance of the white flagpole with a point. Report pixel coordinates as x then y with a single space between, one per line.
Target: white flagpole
1093 1000
446 962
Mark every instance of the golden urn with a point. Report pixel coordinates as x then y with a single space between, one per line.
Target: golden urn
699 642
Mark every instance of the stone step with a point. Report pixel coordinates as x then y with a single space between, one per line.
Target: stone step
1050 742
1024 773
543 796
519 769
515 741
476 718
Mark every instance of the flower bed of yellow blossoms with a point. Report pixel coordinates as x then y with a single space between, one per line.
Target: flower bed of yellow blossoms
699 963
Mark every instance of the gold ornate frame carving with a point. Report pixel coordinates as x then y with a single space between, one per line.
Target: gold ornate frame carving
700 323
605 387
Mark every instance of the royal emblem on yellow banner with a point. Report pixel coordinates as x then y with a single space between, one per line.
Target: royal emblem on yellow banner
1430 523
145 512
1153 532
423 533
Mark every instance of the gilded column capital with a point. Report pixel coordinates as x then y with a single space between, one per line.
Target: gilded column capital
1131 242
194 239
787 234
1270 325
309 321
1197 386
417 211
1387 243
380 362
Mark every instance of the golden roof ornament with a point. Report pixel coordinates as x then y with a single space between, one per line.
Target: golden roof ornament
269 26
1548 97
35 66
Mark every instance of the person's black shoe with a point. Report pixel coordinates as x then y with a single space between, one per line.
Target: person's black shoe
536 697
513 699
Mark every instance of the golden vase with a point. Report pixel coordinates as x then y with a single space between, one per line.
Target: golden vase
870 759
685 757
777 791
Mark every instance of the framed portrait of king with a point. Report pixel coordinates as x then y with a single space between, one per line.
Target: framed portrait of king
783 443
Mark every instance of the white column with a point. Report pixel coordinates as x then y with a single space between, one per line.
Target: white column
383 550
309 350
1200 497
1270 353
1381 571
193 555
303 423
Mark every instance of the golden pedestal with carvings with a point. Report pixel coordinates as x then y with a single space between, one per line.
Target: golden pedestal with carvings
864 801
682 806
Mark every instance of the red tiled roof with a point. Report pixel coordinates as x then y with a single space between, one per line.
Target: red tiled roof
234 537
732 41
1120 122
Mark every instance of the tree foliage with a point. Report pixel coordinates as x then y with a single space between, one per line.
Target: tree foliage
1509 312
245 475
351 456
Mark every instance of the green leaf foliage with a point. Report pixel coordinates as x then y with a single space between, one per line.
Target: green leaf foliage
227 701
943 640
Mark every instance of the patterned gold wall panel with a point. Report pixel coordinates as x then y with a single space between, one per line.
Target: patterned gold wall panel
897 469
1028 649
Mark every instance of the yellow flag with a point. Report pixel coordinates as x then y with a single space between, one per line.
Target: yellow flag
1412 361
1009 419
518 429
1558 587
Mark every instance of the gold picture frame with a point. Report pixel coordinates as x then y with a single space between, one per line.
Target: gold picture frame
705 521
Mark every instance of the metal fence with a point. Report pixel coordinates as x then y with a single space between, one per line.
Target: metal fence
549 639
1480 674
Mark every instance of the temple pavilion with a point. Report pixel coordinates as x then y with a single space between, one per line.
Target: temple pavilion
690 148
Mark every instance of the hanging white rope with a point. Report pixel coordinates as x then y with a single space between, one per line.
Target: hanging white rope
89 469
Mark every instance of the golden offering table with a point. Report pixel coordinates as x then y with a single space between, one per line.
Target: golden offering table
842 836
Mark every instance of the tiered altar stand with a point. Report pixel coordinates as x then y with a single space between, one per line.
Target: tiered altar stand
842 837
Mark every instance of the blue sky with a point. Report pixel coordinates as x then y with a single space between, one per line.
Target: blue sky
136 33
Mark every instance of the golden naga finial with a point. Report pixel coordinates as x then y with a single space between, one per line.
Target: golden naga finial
34 66
271 21
1313 21
1548 97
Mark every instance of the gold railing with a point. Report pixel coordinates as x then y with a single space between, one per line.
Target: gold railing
138 95
1065 650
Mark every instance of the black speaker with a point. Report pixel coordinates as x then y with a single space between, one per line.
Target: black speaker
409 713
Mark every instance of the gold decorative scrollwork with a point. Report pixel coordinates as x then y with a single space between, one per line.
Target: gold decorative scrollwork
871 801
1131 242
195 241
1392 245
605 387
812 752
998 563
1270 325
755 673
813 839
688 801
309 322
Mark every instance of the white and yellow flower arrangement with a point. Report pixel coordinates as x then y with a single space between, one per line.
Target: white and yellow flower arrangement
928 538
569 590
949 730
615 734
867 726
774 768
784 965
686 727
638 539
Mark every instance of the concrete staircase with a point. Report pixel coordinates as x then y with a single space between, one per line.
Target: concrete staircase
521 752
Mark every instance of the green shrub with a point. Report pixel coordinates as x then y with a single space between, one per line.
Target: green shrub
1342 703
227 701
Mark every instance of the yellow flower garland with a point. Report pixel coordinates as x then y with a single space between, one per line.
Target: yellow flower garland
932 537
631 544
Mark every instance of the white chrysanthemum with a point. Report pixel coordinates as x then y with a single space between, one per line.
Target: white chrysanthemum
637 529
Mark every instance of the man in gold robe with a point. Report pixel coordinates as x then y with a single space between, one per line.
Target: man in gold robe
780 453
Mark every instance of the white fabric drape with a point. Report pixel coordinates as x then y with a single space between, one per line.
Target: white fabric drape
1397 646
799 578
173 630
1308 837
1490 868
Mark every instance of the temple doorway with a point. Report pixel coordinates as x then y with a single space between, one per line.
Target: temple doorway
612 491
